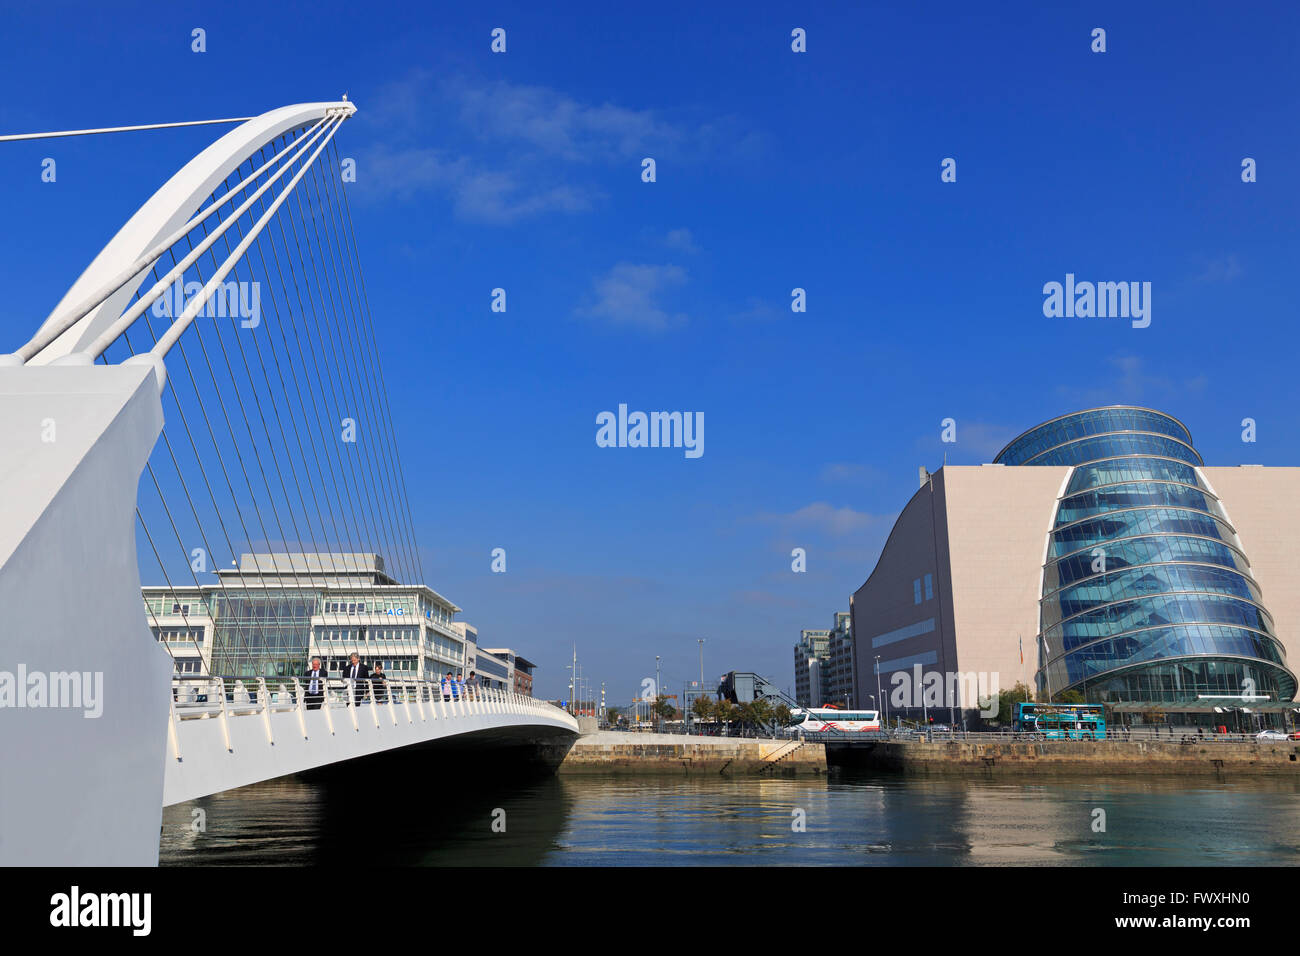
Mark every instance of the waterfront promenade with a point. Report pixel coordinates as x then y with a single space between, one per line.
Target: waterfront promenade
610 751
1209 756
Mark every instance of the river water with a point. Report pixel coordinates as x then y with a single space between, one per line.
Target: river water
844 818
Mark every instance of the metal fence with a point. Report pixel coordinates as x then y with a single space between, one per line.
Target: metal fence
1134 735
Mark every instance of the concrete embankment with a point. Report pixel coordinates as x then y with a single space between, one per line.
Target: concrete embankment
1109 757
615 752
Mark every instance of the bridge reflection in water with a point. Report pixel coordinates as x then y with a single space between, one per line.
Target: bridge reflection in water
851 818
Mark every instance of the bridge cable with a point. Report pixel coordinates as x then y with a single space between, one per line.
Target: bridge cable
15 137
346 539
57 325
377 486
326 329
369 353
267 238
189 498
266 484
364 299
316 352
316 349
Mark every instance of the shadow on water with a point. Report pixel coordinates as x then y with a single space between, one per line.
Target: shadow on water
425 806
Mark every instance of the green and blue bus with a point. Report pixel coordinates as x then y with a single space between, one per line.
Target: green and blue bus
1061 721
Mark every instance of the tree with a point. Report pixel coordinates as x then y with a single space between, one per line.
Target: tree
702 708
725 712
1007 701
782 715
611 716
1070 697
664 708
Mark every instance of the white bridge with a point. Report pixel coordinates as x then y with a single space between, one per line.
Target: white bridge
232 306
224 734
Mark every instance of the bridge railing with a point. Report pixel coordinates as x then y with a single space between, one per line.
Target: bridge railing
395 700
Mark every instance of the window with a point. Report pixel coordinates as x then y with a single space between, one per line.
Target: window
929 587
916 591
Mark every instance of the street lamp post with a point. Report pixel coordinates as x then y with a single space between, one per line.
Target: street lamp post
701 643
882 698
658 694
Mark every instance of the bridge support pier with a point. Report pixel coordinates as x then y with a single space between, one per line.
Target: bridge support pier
84 688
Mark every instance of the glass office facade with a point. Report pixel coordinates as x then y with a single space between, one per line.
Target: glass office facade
1147 594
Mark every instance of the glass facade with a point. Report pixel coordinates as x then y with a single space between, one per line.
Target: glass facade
1147 594
262 633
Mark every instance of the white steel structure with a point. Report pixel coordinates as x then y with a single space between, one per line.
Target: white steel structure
93 739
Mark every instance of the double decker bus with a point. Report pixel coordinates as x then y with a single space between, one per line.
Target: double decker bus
815 719
1061 721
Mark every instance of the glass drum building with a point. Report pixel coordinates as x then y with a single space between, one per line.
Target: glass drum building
1147 593
1098 555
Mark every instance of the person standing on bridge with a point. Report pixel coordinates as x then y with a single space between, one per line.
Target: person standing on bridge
446 687
360 674
315 695
379 683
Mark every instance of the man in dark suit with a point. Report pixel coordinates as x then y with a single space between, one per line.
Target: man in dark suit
315 694
360 673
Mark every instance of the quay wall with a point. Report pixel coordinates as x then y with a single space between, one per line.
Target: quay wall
616 752
1113 757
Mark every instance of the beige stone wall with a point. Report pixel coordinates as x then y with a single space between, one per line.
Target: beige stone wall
981 531
1263 504
613 752
1111 757
998 519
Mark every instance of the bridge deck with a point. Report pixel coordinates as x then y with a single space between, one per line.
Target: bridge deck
227 735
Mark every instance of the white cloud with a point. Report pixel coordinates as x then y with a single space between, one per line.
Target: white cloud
629 294
1131 381
979 441
682 240
848 472
1221 270
516 146
824 518
758 310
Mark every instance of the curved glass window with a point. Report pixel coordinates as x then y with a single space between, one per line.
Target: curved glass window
1106 446
1111 471
1111 620
1134 552
1135 495
1138 582
1135 523
1096 421
1096 663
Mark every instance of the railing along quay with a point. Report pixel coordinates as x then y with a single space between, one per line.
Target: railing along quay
974 736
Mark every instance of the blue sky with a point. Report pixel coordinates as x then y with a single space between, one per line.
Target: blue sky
775 170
